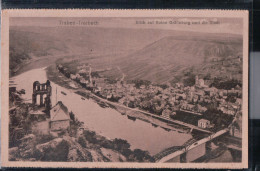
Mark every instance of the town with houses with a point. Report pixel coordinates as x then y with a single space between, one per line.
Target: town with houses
165 100
41 126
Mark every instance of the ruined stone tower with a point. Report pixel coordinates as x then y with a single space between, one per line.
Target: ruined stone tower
42 90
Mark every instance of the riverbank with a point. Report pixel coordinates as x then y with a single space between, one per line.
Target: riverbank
58 78
137 118
30 143
106 121
34 63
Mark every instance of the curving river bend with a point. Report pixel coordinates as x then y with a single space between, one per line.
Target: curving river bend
105 121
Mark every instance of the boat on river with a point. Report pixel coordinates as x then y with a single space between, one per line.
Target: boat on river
62 92
102 104
116 126
131 118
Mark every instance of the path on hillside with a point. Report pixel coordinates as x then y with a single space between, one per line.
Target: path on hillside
123 74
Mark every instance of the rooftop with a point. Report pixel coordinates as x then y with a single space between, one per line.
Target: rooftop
59 112
203 120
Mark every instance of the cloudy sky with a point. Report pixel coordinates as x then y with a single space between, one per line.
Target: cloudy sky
221 25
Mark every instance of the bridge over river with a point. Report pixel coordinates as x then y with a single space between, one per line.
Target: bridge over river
180 153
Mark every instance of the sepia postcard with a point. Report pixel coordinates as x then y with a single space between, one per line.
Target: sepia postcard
124 88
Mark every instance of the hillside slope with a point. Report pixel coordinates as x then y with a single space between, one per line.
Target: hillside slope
172 57
156 55
30 42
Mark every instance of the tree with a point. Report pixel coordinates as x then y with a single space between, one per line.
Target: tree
120 144
72 116
82 142
138 83
190 81
59 153
207 77
227 85
231 98
141 156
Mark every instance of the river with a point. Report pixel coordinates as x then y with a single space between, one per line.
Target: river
104 121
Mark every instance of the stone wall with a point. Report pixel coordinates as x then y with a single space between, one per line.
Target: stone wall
59 125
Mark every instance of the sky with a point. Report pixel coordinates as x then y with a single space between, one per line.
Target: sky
222 25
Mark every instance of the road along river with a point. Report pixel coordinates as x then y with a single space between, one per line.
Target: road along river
105 121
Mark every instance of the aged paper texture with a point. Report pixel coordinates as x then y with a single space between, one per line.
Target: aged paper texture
125 88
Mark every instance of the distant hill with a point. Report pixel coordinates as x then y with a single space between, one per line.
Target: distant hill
27 42
84 39
26 45
172 57
156 55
